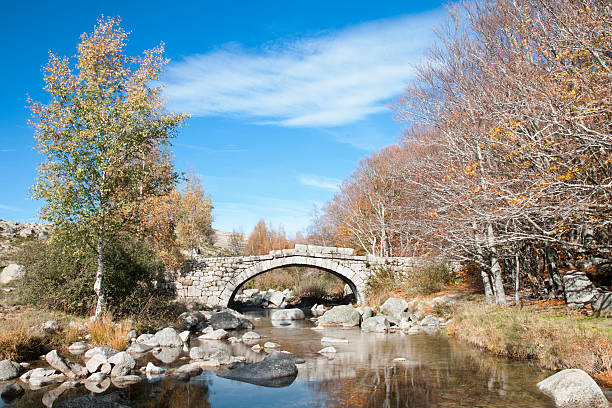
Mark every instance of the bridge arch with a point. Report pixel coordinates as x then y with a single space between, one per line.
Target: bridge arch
328 265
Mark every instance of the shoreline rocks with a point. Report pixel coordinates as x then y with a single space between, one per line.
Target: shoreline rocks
573 388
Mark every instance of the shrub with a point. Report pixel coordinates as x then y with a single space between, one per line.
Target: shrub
60 274
429 279
383 284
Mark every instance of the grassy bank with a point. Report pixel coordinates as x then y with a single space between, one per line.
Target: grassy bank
557 339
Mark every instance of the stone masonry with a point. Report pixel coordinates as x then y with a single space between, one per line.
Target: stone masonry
215 281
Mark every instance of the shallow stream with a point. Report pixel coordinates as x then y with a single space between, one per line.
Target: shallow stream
437 372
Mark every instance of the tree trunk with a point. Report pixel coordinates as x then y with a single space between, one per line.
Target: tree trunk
98 284
553 273
496 273
517 269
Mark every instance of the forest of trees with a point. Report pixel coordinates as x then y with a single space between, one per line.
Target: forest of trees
506 161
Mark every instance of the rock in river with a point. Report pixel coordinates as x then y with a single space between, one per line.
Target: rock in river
344 315
116 399
288 314
9 369
573 388
276 370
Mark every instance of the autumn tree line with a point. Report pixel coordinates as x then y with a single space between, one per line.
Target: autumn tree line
506 161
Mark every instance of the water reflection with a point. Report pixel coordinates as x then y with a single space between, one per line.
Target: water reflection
434 372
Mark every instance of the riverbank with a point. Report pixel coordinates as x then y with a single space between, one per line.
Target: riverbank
556 337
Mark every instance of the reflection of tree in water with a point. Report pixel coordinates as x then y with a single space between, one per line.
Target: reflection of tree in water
468 378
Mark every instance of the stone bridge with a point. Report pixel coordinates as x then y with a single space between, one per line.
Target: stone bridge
215 281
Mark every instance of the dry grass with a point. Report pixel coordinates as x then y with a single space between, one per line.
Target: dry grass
104 332
21 342
558 340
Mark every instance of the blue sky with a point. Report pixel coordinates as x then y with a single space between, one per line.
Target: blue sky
285 96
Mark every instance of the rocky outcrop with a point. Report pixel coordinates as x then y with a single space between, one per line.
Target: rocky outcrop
579 289
601 302
394 309
276 370
573 388
378 324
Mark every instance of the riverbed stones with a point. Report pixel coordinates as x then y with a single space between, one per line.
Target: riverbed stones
344 315
276 369
115 399
105 351
94 363
328 350
77 347
573 388
394 309
60 363
333 340
168 337
288 314
50 326
139 348
9 370
11 273
218 334
378 324
122 363
251 335
12 392
430 320
271 345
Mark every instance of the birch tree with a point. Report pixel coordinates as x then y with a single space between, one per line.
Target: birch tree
103 123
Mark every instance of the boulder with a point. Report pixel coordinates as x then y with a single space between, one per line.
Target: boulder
9 370
276 370
37 372
60 363
578 288
147 338
344 315
168 337
276 299
122 363
139 348
378 324
94 363
50 326
116 399
11 273
288 314
191 369
192 321
96 378
365 312
219 334
77 347
602 302
167 355
197 353
573 388
105 351
12 392
125 380
430 320
227 320
251 335
394 309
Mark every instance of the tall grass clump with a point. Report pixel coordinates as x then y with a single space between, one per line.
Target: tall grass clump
556 340
19 342
383 284
104 332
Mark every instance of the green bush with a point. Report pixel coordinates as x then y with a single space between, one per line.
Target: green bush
429 279
60 274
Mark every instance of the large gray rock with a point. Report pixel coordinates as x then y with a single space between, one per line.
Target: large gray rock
344 315
9 370
192 321
12 392
430 320
579 289
602 302
94 363
227 320
107 352
277 298
168 337
60 363
122 363
288 314
378 324
167 355
573 388
50 326
276 370
11 273
139 348
394 309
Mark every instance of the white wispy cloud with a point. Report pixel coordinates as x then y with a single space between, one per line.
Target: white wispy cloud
325 183
333 79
